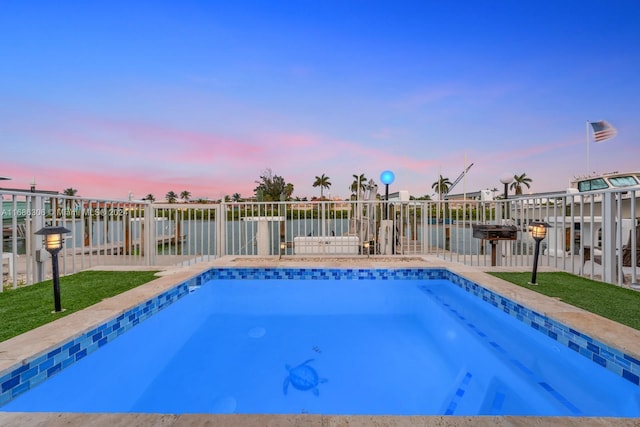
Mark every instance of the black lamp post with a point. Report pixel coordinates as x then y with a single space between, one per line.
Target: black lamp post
538 231
283 249
387 178
53 244
506 179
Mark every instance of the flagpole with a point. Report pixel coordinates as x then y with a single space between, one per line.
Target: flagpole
588 165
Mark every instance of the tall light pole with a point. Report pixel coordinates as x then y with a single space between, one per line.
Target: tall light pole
506 179
387 178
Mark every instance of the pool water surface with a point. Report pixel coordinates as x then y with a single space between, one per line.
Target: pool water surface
278 346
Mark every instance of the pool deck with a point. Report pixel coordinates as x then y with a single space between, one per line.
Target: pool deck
18 349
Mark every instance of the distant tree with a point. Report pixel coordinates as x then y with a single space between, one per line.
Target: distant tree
171 197
322 182
288 191
519 181
359 183
441 186
227 198
69 192
236 197
185 195
272 187
149 197
425 197
201 200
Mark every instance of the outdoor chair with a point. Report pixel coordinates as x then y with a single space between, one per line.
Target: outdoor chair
626 252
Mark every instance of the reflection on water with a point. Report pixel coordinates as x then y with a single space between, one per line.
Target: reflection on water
199 237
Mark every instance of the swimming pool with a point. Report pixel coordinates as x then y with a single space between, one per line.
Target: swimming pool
337 341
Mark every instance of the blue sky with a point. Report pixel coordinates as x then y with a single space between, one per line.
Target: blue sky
147 97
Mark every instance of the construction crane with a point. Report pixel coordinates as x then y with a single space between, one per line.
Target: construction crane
458 179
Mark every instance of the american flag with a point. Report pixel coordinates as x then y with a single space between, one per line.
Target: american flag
602 131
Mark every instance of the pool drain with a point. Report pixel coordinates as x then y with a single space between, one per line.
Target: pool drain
257 332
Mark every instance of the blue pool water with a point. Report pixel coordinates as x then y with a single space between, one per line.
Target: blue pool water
403 347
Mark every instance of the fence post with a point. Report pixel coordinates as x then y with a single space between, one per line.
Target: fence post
609 265
221 227
148 235
38 253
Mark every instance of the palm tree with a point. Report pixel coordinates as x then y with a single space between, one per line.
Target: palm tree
359 183
149 197
288 191
322 182
185 196
236 197
69 192
171 197
441 186
519 181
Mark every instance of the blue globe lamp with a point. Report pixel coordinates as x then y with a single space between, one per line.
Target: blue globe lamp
387 177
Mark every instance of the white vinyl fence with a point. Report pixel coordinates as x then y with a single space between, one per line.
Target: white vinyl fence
591 234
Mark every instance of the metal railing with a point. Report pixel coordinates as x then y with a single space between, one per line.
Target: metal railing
591 234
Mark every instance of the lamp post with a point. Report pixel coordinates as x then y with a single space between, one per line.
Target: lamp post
387 177
283 248
53 244
506 179
538 231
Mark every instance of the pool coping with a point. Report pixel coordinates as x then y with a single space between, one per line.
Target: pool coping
38 341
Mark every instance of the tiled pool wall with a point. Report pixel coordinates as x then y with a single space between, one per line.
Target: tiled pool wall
20 378
611 358
23 376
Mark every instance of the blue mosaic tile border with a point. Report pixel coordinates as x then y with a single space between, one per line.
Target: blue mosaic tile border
617 361
326 273
18 379
32 371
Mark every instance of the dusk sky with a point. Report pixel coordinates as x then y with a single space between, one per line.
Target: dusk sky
113 97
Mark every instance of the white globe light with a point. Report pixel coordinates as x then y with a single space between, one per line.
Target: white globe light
506 178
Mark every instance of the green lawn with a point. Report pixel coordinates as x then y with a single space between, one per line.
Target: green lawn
28 307
613 302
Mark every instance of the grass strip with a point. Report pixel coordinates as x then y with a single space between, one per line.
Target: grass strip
613 302
28 307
